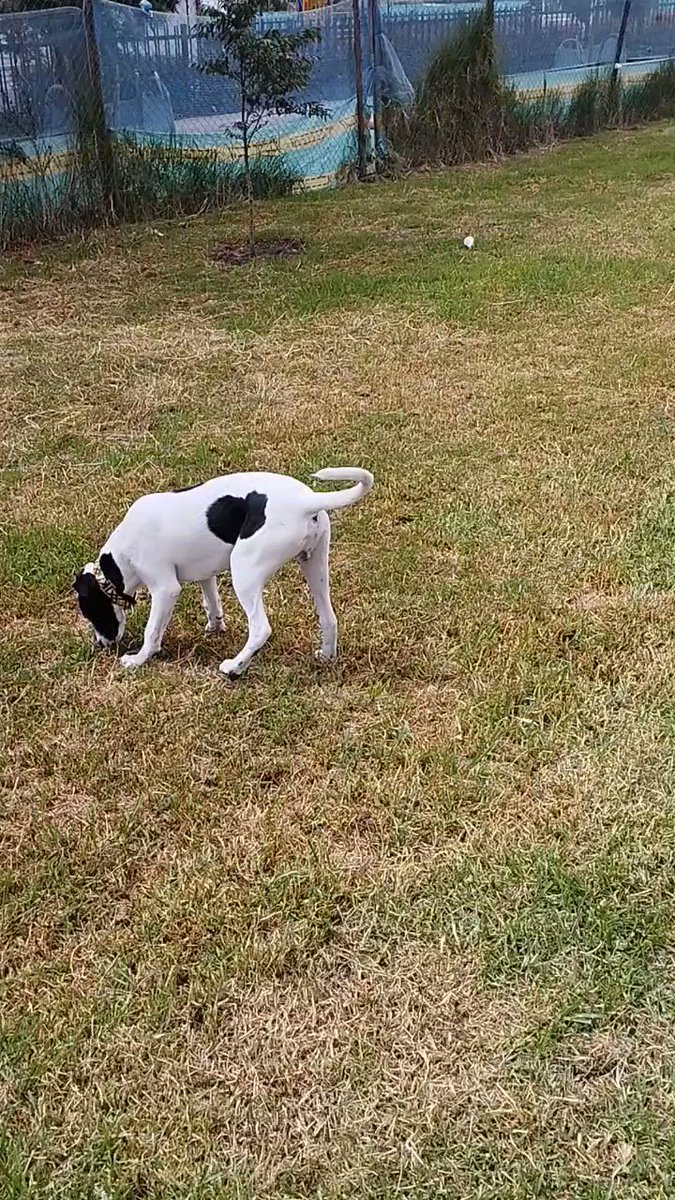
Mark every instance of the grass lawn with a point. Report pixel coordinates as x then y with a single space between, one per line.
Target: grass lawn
404 927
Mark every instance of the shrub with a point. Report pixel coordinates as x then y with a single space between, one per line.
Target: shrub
460 105
464 112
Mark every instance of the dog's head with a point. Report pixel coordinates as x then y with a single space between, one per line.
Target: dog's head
105 616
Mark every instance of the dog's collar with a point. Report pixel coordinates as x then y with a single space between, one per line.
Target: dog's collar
119 598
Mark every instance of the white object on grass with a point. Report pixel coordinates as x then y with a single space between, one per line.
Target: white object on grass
468 242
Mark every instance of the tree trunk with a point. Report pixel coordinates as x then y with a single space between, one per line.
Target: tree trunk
94 116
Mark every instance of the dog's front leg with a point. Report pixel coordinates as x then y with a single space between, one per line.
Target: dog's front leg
162 604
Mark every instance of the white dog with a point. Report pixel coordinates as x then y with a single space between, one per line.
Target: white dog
252 523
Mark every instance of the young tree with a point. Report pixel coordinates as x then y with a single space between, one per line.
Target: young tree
268 67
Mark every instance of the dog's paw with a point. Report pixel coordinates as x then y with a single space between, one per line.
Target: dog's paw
219 627
131 660
324 660
229 667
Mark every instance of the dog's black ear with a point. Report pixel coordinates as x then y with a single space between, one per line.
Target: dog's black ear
95 605
88 591
82 583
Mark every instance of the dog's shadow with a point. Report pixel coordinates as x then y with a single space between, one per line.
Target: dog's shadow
356 664
401 658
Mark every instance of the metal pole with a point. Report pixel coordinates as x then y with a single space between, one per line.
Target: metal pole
374 26
620 40
358 69
96 105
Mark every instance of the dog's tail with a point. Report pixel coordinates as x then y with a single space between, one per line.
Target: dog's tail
326 501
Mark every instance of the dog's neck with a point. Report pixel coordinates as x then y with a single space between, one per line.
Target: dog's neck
116 576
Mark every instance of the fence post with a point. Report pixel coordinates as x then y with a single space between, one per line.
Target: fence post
96 106
374 11
358 69
620 40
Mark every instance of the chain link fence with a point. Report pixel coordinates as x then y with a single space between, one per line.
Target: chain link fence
105 113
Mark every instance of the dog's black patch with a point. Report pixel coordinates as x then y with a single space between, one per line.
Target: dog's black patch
96 606
190 487
112 572
225 518
256 503
233 517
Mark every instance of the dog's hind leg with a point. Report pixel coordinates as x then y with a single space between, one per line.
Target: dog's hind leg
315 570
249 576
162 604
212 605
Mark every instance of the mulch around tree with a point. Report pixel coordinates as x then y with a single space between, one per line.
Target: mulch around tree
238 254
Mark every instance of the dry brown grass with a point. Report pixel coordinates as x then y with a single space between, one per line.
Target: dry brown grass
403 927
